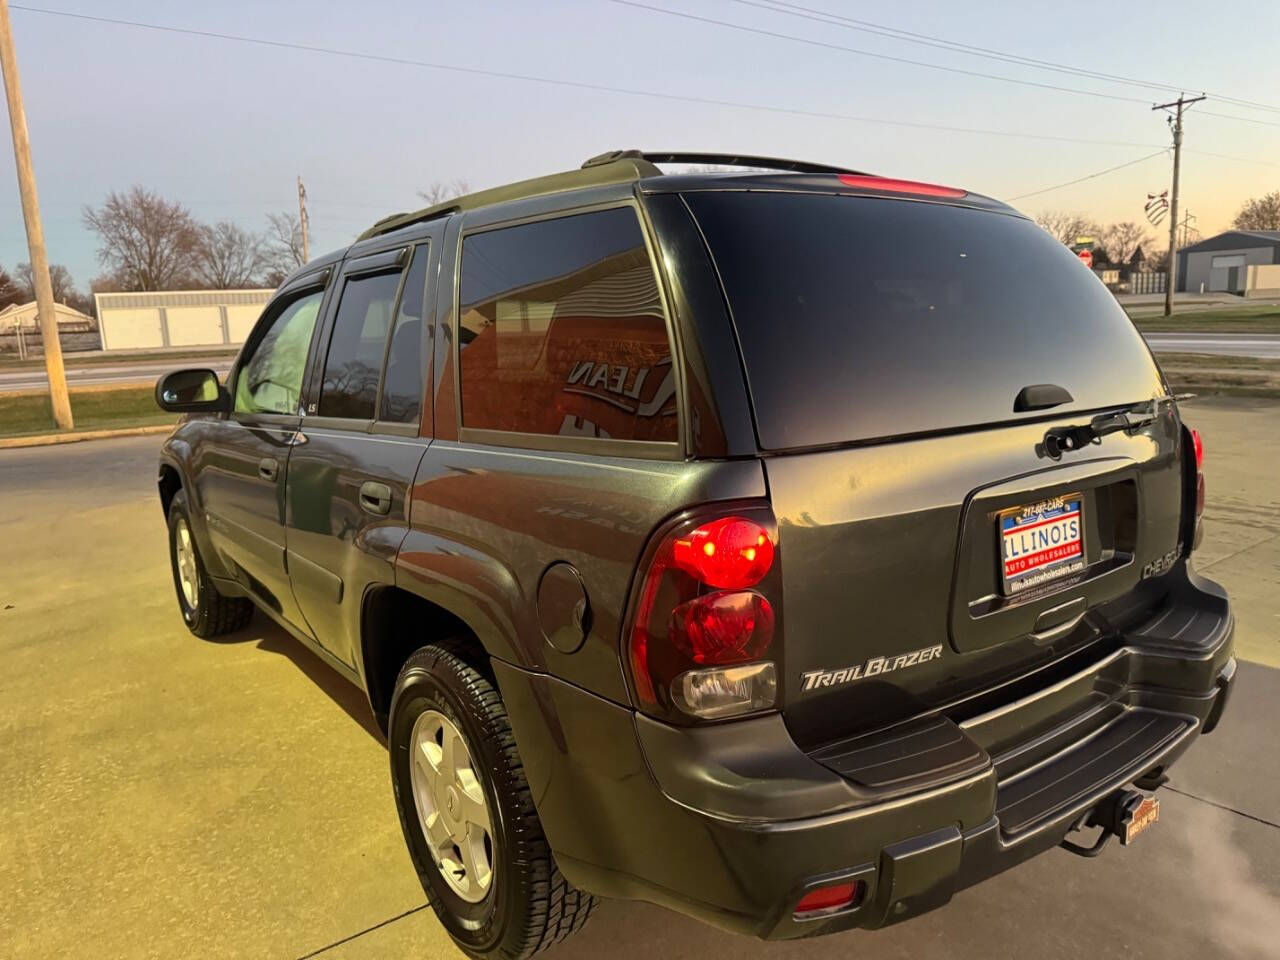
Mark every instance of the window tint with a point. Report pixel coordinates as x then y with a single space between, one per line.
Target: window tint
270 380
862 318
561 331
402 385
350 386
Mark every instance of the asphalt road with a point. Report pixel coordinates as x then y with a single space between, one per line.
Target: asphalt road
106 374
1236 345
167 797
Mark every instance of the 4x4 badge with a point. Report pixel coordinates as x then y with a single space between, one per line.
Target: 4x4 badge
874 667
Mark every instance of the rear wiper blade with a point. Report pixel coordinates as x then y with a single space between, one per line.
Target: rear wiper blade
1074 437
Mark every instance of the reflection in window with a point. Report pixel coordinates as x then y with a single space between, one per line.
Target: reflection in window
562 331
402 386
270 380
350 386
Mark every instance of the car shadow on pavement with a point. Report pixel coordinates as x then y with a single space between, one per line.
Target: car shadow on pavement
272 638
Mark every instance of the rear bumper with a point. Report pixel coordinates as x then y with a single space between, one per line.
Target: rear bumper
732 824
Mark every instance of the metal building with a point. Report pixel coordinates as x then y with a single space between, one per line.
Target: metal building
177 318
1222 263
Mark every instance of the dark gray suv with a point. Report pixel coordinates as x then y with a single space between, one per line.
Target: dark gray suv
791 548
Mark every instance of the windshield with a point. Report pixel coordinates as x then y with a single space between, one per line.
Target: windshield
862 318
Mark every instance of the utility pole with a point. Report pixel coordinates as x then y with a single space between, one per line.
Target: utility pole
59 399
1171 274
303 222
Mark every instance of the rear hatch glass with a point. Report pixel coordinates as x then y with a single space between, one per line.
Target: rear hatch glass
863 318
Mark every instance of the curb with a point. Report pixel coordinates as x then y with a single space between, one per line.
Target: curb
51 439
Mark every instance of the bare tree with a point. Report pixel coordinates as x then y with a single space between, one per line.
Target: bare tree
1122 240
59 276
282 247
440 192
228 257
146 242
1260 213
10 292
1065 227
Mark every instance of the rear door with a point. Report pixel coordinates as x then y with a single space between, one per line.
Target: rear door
905 360
362 439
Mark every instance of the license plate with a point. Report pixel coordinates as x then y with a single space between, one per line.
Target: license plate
1041 542
1144 815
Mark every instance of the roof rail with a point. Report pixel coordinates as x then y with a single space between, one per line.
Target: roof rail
766 163
620 170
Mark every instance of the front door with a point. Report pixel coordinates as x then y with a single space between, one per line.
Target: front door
245 457
355 459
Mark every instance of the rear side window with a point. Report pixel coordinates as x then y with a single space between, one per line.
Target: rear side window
350 387
402 384
561 331
864 318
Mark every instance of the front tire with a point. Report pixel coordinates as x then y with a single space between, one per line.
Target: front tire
469 821
206 612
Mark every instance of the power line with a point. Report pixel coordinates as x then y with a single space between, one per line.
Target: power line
573 84
1092 176
868 53
941 43
915 63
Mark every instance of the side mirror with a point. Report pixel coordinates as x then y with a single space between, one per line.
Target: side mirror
192 391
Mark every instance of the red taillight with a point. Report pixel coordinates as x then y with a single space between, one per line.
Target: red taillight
704 619
725 627
729 553
834 897
1199 448
899 186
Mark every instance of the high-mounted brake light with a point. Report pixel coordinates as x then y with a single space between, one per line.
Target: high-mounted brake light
703 623
900 186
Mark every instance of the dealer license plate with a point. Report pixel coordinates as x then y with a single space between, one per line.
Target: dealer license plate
1041 542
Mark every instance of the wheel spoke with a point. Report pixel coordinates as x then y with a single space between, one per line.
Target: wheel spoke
474 860
438 835
472 810
428 765
451 751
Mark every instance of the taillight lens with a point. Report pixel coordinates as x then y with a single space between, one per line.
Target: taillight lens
704 618
731 553
724 627
1193 528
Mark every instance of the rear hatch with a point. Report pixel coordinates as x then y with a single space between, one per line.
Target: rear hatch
930 547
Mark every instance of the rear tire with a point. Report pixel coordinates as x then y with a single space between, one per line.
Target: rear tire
206 612
526 904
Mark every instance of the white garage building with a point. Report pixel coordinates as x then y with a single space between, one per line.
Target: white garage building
177 318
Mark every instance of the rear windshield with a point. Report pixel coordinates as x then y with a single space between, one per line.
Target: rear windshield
862 318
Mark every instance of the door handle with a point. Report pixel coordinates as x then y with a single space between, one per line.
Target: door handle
268 468
375 498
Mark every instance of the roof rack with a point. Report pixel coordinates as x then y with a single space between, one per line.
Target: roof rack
616 166
621 170
765 163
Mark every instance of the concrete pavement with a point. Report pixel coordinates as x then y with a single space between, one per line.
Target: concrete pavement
167 797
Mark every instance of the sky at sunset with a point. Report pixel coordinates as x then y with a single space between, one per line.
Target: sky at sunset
225 126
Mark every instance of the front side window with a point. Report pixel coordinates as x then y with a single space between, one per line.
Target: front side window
350 385
270 379
561 331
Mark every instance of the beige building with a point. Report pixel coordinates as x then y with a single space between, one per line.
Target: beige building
24 315
178 318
